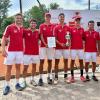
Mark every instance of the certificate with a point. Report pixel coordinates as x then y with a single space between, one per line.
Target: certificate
51 42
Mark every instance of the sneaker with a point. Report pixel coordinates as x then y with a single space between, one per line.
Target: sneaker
40 83
95 78
18 87
55 81
32 82
49 80
87 78
24 84
6 90
72 80
82 78
67 80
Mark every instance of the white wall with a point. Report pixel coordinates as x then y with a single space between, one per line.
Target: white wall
86 16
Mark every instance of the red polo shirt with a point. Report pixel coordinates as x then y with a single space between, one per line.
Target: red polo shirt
77 38
60 33
90 41
15 35
31 46
46 31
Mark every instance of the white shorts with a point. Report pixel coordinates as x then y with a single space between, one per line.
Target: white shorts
90 56
46 53
31 59
62 53
13 57
77 53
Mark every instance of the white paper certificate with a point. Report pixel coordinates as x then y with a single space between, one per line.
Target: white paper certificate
51 42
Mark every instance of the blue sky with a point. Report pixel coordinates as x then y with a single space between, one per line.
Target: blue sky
65 4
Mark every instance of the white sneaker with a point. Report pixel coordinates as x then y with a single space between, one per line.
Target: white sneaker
55 81
32 82
24 84
67 80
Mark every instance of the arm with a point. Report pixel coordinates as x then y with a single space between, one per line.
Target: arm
42 39
41 36
61 44
98 44
3 46
4 41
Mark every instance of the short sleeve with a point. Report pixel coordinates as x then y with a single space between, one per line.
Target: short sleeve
7 32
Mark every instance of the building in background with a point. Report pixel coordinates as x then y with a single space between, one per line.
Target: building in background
85 14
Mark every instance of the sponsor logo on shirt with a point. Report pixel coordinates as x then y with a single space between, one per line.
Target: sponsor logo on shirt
29 34
59 30
15 31
44 28
74 31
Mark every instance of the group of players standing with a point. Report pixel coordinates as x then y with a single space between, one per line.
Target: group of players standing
24 48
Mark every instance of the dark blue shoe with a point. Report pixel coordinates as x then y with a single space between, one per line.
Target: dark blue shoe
6 90
40 83
95 78
49 80
18 87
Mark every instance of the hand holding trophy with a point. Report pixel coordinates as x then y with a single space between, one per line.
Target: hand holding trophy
68 38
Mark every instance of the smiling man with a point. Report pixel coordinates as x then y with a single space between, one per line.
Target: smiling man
14 52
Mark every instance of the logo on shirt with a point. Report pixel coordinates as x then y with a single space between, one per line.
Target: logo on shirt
44 28
74 31
29 34
87 35
59 30
15 31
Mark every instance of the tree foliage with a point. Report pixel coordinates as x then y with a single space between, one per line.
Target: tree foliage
54 6
36 13
4 5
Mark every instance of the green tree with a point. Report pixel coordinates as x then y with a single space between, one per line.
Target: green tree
4 5
54 6
36 13
6 22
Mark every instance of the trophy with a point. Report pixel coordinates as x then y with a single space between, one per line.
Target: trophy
68 37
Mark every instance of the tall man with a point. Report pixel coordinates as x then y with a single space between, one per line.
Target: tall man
31 50
92 49
62 50
77 48
46 30
14 52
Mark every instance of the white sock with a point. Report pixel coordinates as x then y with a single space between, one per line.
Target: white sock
40 76
93 73
17 81
7 83
86 73
48 74
32 78
24 79
65 73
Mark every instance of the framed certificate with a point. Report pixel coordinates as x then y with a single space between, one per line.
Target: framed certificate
51 42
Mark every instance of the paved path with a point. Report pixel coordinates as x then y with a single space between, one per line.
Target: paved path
62 91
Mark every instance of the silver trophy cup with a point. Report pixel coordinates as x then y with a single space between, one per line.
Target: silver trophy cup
68 37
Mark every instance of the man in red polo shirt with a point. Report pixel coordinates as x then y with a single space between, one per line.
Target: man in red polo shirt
31 50
62 50
46 30
77 48
92 49
14 52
